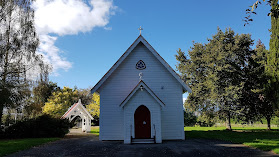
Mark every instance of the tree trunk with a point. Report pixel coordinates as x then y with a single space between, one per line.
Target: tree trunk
268 118
228 122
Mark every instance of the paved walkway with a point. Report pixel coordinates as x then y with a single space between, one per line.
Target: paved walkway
83 145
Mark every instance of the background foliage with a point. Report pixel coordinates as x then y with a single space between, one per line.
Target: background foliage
42 126
59 102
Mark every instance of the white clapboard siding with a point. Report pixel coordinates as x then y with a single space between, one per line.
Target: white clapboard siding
142 97
122 81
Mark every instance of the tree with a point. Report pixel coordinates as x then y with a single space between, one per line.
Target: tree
59 102
17 50
252 99
94 108
214 72
41 91
7 119
252 10
40 95
272 66
85 96
266 109
189 118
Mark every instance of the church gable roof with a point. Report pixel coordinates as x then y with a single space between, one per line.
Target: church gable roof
140 39
142 85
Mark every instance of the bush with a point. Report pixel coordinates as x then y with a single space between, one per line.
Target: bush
189 118
205 123
95 121
206 119
42 126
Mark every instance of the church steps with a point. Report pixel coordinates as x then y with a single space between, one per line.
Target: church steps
143 141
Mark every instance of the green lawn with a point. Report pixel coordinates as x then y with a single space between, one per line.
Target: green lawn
14 145
267 140
95 130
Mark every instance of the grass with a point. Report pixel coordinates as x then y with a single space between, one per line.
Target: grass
95 130
15 145
267 140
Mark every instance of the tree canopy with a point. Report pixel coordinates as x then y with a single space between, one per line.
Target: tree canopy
215 72
272 56
18 46
59 102
272 64
40 95
94 107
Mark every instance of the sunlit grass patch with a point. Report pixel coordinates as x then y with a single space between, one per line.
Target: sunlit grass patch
264 144
95 130
267 140
276 150
203 128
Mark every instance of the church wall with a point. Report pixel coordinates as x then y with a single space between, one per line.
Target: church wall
121 83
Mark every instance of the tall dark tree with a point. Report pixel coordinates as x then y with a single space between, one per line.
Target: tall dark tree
214 72
18 43
265 105
272 66
40 94
253 101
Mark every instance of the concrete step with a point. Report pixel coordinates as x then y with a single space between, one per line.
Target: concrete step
150 140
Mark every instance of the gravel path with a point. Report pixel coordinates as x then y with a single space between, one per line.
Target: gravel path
91 146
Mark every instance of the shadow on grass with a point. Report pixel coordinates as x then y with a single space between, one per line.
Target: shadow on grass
254 130
267 140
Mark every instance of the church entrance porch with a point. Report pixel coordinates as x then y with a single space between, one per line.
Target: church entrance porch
142 116
142 123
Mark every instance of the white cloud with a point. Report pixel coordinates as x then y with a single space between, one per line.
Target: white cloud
51 53
108 28
67 17
184 99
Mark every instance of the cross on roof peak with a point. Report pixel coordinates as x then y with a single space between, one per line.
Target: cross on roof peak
140 29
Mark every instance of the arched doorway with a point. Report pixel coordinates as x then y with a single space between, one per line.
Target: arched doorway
142 123
77 122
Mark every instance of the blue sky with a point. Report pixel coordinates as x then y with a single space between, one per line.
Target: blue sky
85 53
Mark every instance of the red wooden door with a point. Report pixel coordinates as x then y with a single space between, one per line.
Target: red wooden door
142 123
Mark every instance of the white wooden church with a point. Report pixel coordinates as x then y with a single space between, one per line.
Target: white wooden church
141 98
